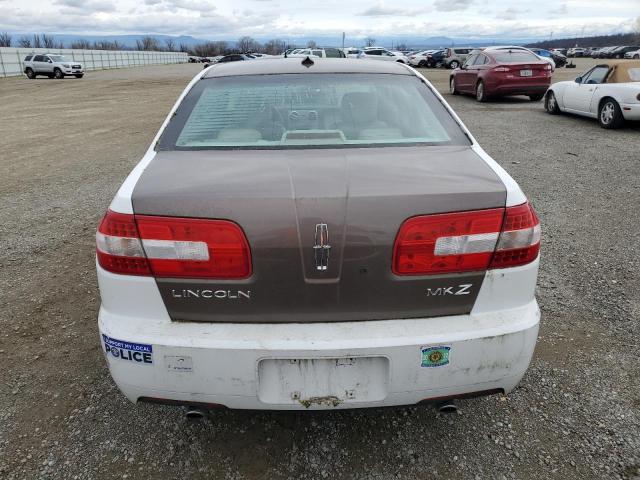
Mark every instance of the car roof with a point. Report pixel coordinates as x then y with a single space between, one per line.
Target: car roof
295 65
506 47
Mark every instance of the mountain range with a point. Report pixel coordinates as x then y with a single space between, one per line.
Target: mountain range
387 41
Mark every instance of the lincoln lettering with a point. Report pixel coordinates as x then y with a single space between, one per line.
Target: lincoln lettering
211 294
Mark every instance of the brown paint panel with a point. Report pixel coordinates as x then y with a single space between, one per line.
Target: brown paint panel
278 197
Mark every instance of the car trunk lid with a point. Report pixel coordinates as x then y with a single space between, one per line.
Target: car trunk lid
321 225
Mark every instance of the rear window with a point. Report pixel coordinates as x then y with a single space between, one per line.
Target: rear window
312 110
515 56
634 74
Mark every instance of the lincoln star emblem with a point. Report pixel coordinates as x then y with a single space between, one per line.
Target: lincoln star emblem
322 248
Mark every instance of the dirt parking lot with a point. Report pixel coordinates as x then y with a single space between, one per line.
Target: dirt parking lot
65 147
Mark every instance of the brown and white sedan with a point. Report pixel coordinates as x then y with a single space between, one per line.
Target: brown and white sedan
316 234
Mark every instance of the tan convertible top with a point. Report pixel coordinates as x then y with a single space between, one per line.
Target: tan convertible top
623 71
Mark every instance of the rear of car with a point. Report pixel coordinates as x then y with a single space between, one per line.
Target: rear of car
455 56
577 52
419 59
315 236
516 72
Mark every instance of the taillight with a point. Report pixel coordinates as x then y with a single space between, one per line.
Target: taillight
547 66
118 245
501 69
467 241
172 247
519 241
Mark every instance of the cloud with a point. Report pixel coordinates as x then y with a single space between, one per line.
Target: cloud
510 13
378 11
193 5
381 10
383 19
561 10
86 6
452 5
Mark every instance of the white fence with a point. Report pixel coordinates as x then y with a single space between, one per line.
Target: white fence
12 59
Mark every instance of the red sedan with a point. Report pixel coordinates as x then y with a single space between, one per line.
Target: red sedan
502 72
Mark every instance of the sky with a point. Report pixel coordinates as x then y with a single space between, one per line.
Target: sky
230 19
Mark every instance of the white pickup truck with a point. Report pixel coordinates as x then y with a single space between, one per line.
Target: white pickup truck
53 66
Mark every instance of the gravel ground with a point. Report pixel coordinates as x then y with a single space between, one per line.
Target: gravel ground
67 145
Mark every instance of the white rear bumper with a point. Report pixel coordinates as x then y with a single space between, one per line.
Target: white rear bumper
231 364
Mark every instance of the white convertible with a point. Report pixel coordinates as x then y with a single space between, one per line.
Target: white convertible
609 92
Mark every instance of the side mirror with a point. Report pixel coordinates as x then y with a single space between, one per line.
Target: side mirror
578 80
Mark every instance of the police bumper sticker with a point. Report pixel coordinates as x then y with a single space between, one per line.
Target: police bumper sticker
435 356
127 351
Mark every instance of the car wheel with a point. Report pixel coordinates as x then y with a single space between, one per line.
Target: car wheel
30 73
609 114
636 57
80 75
536 98
454 64
422 64
481 96
57 73
551 104
452 86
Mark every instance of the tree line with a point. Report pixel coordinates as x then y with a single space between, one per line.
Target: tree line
48 41
150 43
632 38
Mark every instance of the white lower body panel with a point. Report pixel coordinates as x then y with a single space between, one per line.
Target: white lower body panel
316 366
630 111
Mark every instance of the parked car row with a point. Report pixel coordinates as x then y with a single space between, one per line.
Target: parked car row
609 92
373 53
454 57
616 52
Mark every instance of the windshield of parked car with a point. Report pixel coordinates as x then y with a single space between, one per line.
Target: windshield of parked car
59 58
282 111
515 56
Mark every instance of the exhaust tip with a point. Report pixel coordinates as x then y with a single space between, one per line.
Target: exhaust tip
195 413
448 406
